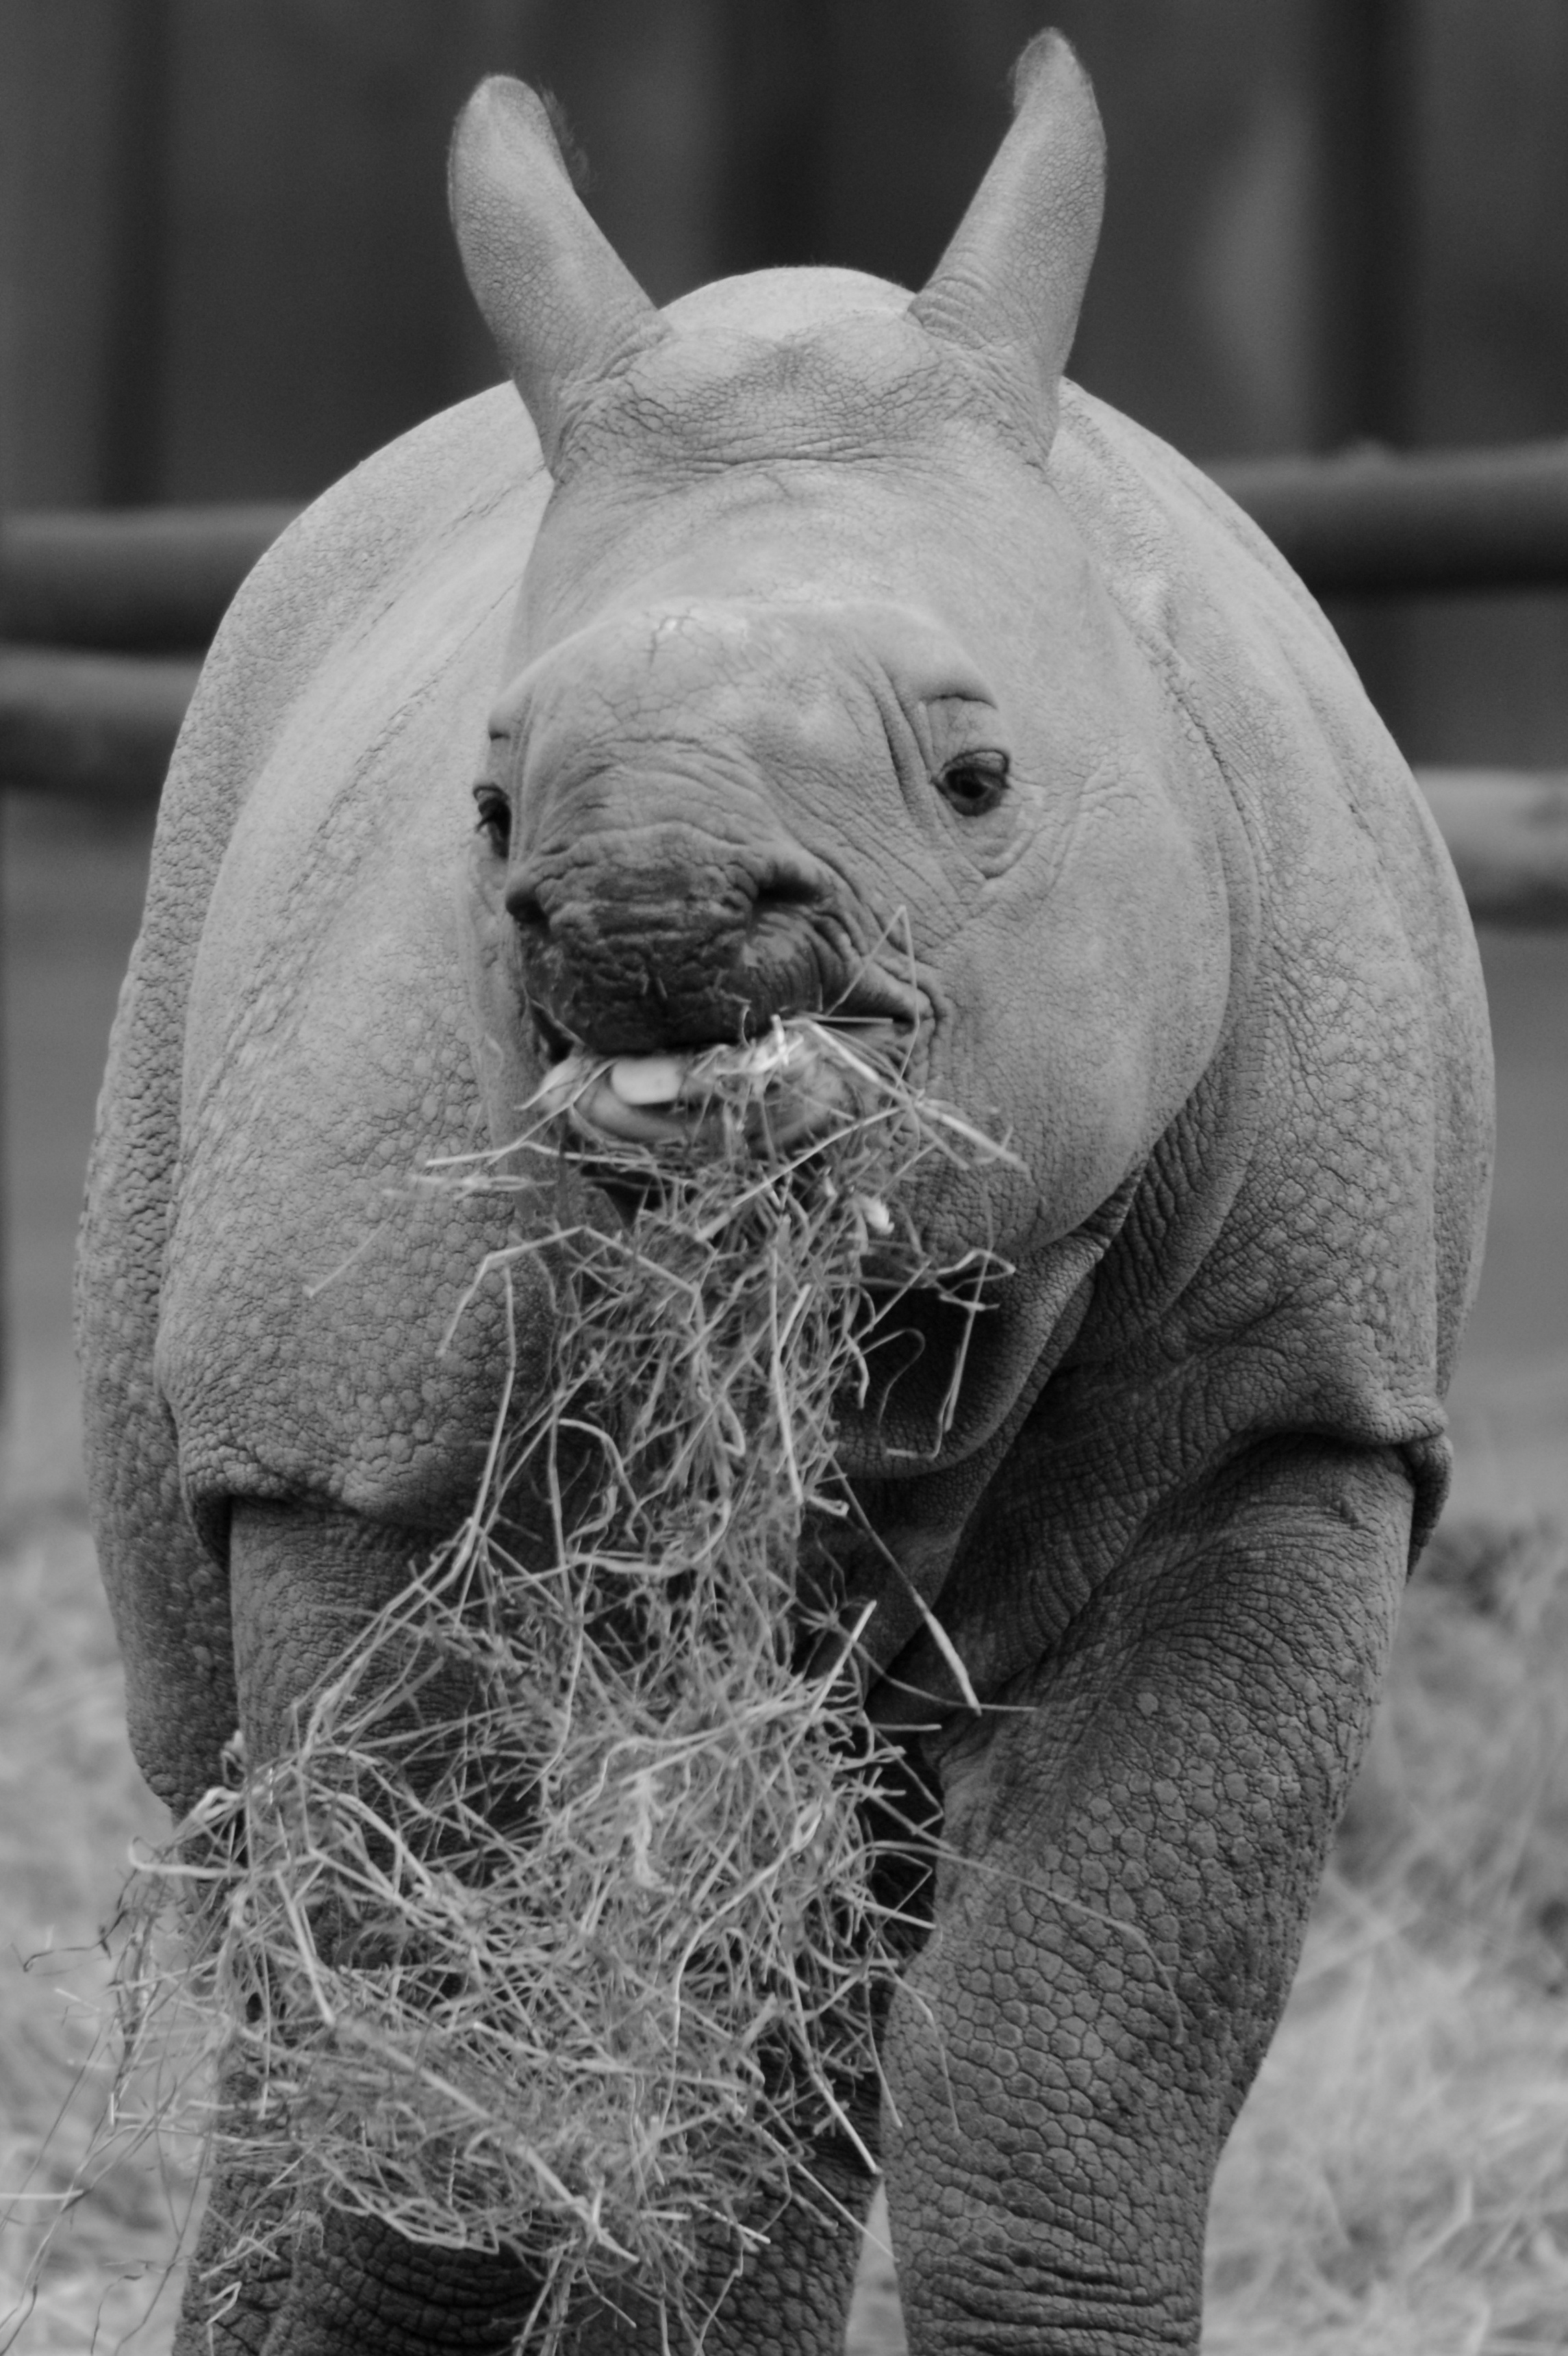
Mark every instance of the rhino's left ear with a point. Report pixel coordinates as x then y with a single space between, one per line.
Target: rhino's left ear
561 304
1010 284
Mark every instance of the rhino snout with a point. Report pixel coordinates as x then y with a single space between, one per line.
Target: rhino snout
674 944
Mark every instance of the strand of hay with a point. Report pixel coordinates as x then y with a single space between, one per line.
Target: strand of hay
555 1930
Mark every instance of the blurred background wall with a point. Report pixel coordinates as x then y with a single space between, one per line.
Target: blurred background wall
225 273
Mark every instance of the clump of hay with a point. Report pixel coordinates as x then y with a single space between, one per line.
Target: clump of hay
556 1930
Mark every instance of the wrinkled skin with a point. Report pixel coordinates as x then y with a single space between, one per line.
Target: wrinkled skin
806 547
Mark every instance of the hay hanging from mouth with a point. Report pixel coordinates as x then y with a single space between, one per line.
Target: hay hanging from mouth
556 1930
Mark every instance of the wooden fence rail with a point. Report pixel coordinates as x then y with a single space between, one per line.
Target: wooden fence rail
135 579
98 724
1506 833
104 617
1368 523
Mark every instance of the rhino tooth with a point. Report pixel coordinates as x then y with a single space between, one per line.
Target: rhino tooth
647 1079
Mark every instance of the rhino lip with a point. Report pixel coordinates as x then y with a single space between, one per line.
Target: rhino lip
885 1016
685 1100
556 1042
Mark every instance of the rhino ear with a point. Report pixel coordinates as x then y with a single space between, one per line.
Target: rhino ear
1010 284
561 304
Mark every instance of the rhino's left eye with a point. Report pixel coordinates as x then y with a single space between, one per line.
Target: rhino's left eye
973 783
495 818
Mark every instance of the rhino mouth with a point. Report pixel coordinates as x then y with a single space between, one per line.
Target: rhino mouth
779 1093
689 1096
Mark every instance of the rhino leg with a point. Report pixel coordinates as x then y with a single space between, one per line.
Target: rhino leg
301 1580
229 2305
365 2291
792 2298
361 2289
1136 1856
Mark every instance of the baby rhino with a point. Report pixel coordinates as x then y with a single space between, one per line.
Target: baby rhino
820 651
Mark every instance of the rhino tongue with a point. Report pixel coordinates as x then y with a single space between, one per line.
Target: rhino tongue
638 1098
661 1098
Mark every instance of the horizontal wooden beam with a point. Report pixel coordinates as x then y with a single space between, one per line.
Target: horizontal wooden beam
1506 832
104 725
1372 523
1367 522
100 725
134 578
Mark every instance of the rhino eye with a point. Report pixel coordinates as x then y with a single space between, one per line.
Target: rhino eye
974 783
495 818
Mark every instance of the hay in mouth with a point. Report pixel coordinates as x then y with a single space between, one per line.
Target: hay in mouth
555 1930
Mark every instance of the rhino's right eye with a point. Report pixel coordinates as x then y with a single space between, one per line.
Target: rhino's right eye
974 783
495 818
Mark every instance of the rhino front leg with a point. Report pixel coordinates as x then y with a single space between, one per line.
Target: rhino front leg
793 2298
362 2291
302 1582
1139 1853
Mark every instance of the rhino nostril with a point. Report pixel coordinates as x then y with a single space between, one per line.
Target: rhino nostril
784 888
524 906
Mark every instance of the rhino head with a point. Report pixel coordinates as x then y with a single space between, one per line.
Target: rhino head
815 702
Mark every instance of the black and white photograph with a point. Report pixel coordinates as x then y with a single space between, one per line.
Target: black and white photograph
783 1177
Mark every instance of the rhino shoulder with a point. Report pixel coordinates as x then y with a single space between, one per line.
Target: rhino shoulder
1334 818
358 551
1362 1000
363 543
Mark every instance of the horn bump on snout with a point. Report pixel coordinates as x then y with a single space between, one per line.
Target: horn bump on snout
562 308
1011 283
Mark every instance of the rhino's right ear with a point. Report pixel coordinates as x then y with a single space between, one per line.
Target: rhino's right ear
1010 283
562 306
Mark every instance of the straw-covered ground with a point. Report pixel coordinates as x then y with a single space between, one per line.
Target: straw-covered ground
70 1804
1399 2181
